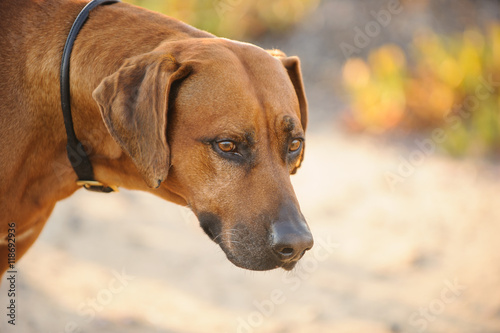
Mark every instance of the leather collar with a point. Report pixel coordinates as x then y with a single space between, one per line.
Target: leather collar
76 153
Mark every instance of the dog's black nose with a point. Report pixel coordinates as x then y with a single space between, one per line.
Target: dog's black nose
290 240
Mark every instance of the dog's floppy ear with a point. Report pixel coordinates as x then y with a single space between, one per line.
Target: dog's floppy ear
133 102
292 65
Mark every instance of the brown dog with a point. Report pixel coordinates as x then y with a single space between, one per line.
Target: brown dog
162 107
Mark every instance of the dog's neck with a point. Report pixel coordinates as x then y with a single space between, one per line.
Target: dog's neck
111 164
36 184
90 65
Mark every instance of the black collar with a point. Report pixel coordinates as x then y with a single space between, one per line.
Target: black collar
76 152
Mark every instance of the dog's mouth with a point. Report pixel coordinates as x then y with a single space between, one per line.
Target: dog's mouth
242 247
211 225
209 233
290 265
250 247
264 264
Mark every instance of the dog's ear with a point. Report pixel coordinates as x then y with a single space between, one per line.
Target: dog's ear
133 102
292 65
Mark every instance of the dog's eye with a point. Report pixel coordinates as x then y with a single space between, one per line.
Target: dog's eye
227 146
295 145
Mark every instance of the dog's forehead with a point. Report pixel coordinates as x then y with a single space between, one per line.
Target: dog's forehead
238 83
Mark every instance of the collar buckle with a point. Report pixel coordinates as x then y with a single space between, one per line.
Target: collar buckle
96 186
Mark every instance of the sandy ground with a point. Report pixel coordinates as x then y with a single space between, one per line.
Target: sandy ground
420 256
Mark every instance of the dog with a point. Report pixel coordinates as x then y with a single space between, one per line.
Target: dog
205 122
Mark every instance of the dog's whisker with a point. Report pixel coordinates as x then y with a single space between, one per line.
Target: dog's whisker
230 232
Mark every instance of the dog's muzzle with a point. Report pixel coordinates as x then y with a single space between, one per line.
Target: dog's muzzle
260 244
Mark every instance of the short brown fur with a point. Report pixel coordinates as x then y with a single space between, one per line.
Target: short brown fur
146 90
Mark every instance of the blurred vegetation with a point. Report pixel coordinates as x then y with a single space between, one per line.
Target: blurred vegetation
238 19
448 82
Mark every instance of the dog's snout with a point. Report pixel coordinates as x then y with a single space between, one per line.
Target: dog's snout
290 240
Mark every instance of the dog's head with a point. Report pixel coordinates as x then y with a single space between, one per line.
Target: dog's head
220 124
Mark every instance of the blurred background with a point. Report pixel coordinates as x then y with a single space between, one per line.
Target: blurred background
400 186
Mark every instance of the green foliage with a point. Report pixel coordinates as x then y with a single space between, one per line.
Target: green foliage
234 18
445 82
